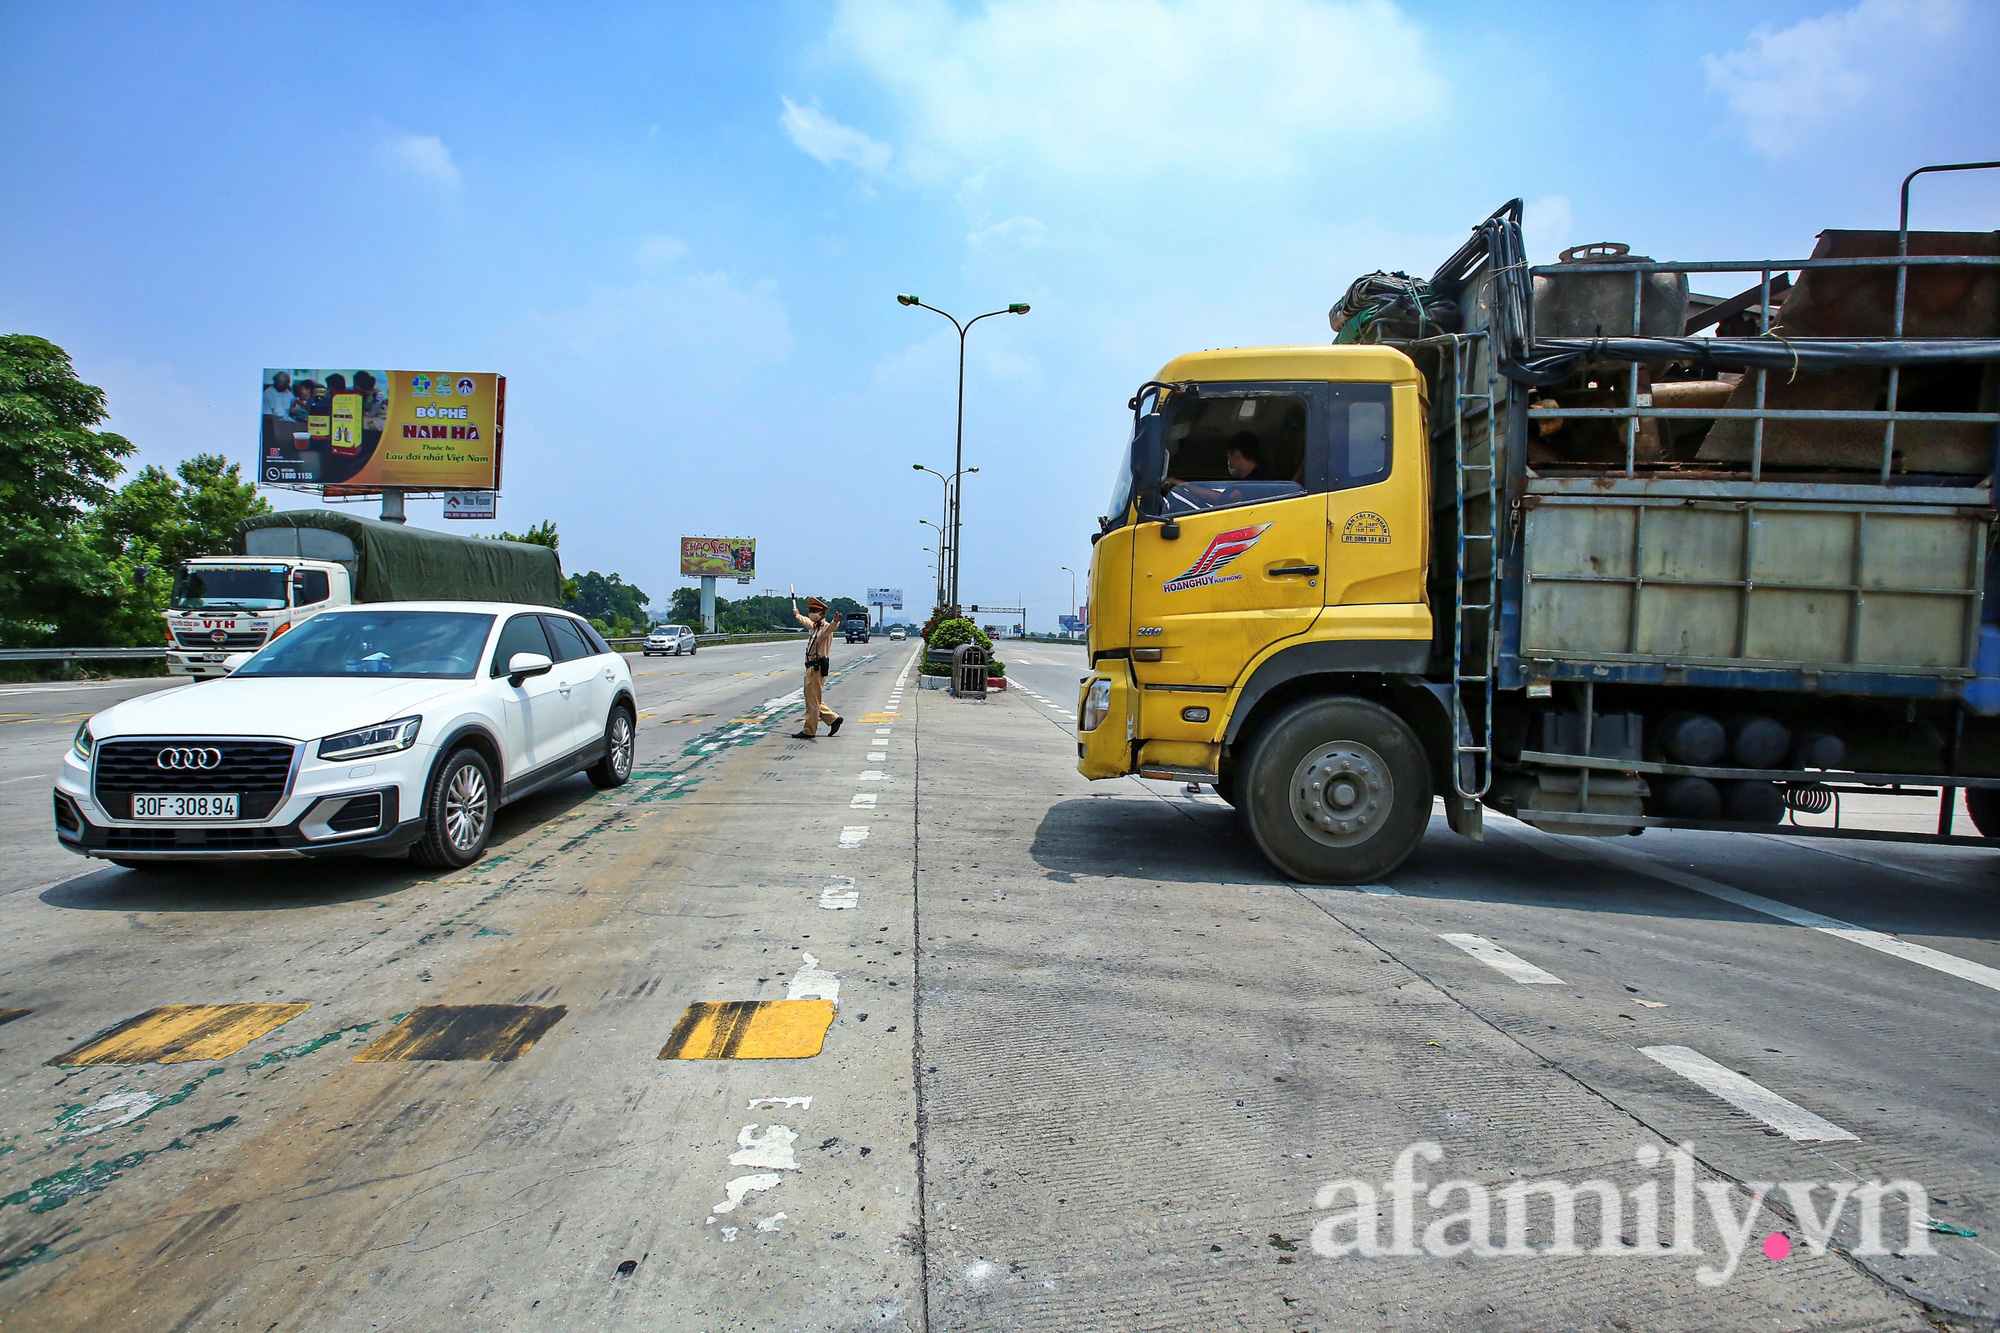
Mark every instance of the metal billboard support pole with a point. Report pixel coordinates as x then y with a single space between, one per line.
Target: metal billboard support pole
708 603
392 506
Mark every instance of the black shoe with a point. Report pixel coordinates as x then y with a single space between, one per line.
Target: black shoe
834 730
803 736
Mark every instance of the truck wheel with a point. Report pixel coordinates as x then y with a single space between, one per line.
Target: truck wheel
458 817
1983 804
1335 791
616 767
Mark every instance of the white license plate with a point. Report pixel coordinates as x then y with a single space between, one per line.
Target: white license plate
177 805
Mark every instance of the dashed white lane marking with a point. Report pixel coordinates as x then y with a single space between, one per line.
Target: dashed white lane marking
883 731
1497 958
1922 955
854 836
1748 1096
877 756
872 775
863 800
812 982
1379 890
774 1103
772 1223
840 895
742 1185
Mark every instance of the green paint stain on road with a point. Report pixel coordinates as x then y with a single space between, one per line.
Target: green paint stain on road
76 1182
308 1047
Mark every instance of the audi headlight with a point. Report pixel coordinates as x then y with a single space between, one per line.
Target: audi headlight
382 738
83 743
1096 704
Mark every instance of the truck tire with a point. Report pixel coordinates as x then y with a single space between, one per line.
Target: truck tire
1335 790
1983 804
458 812
616 767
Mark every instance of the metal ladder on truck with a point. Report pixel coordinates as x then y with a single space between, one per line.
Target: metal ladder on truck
1472 621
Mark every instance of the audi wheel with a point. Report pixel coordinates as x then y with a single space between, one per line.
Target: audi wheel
615 769
458 816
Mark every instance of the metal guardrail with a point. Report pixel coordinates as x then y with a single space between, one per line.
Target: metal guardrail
780 636
80 654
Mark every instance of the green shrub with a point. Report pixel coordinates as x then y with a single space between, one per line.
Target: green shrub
995 669
951 633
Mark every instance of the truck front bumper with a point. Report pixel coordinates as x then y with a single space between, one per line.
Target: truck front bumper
1105 750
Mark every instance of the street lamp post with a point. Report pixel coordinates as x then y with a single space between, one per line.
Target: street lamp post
1072 587
940 532
958 455
946 532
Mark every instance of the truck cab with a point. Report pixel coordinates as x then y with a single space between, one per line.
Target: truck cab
1267 524
221 605
855 626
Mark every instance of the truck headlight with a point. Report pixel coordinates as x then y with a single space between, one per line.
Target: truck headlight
382 738
83 743
1096 704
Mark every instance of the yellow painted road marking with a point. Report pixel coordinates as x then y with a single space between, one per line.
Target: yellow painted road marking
750 1030
176 1033
464 1032
878 717
9 1015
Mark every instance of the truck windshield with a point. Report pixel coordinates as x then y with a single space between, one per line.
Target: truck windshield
442 644
236 587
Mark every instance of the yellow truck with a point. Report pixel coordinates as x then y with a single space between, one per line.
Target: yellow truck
1573 543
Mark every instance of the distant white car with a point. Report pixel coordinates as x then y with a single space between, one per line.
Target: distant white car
669 640
897 636
378 730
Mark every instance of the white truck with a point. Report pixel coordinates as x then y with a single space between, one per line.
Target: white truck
290 566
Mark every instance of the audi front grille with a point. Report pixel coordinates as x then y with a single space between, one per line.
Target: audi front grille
258 771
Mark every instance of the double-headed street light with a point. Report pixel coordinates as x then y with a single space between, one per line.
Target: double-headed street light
955 519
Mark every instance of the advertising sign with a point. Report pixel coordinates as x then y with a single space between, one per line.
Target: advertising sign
889 597
719 557
350 432
470 504
1070 624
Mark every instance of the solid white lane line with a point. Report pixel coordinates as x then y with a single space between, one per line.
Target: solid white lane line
1497 958
1922 955
1746 1095
854 835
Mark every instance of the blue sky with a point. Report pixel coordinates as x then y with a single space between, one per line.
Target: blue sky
679 229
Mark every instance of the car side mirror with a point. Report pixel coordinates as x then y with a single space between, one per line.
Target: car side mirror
235 660
523 665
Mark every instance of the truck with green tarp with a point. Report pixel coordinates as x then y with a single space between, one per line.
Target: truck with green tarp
287 567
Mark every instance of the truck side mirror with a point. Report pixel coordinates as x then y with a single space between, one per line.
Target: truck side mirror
523 665
1149 464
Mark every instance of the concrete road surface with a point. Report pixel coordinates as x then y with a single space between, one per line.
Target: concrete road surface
1090 1064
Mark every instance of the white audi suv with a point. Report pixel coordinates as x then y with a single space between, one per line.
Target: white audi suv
391 728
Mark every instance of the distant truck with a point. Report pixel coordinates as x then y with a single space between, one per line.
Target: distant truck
855 625
289 567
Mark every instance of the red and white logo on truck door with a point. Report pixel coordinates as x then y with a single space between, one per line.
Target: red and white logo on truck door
1222 548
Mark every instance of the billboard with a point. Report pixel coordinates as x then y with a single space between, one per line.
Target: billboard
1070 624
350 432
470 504
719 557
889 597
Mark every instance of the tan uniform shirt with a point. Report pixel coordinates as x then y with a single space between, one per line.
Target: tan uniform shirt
820 642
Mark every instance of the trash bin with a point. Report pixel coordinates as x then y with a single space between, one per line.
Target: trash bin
968 671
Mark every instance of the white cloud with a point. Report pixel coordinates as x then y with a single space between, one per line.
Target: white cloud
423 156
1231 87
1010 237
821 137
1787 83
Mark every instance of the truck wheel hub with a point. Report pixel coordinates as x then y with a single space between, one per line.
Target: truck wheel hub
1341 792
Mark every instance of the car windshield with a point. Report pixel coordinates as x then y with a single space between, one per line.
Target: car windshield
443 644
238 587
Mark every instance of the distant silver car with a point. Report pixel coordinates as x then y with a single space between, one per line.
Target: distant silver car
669 640
897 636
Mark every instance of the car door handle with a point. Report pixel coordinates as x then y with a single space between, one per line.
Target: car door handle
563 687
1294 569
